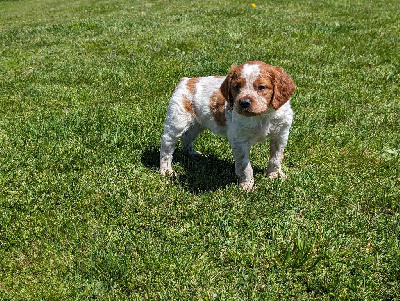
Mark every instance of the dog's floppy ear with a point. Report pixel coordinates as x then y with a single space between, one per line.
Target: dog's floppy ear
226 86
283 87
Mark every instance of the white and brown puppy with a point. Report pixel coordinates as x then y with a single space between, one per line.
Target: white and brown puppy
248 106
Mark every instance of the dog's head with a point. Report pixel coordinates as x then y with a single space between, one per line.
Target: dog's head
252 87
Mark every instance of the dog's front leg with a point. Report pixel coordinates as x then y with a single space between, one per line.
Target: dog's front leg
243 169
277 147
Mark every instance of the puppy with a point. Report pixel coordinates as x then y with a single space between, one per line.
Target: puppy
247 106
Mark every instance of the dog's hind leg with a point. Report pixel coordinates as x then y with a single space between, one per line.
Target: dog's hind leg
177 123
188 138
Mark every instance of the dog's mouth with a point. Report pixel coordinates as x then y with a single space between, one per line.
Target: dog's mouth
249 107
247 112
250 111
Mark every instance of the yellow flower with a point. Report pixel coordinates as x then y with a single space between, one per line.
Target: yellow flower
253 4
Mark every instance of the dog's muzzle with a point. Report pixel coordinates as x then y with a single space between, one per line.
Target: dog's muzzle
245 103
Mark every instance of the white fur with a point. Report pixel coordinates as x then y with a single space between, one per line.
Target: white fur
242 131
250 72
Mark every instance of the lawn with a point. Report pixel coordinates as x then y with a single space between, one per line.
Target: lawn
84 213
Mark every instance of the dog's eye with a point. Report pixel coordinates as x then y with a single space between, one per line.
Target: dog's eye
261 88
236 87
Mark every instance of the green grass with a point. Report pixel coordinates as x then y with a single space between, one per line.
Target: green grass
84 214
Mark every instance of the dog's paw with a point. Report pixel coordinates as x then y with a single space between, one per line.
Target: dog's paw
247 186
273 175
167 172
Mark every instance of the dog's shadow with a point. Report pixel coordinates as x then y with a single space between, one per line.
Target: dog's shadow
200 173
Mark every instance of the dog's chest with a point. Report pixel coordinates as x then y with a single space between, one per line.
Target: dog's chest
255 129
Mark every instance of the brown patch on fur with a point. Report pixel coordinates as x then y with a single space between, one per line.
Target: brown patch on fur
265 79
283 87
226 87
217 107
187 104
191 84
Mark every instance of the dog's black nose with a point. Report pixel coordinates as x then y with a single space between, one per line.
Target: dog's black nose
245 103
